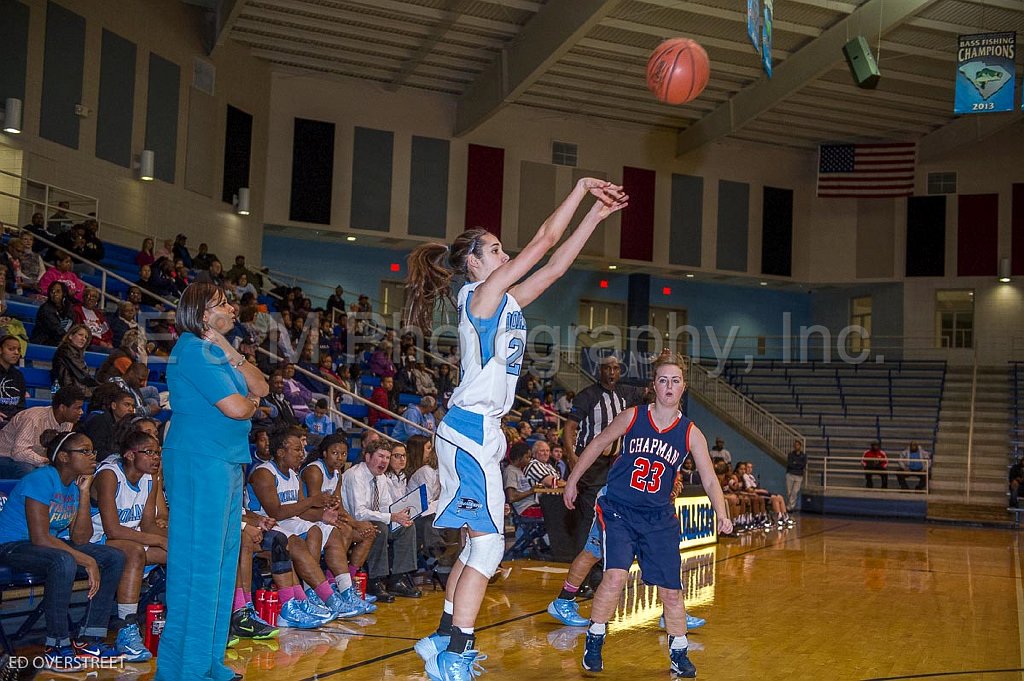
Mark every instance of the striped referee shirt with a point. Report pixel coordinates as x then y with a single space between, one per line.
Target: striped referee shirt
593 409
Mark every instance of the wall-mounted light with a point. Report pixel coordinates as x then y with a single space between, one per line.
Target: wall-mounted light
350 238
241 201
147 165
1004 270
613 267
12 115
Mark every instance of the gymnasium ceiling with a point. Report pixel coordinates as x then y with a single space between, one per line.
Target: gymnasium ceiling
588 57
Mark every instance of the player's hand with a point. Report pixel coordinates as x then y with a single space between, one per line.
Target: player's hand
323 500
607 192
364 528
402 518
93 571
266 523
570 495
724 526
330 516
602 209
253 534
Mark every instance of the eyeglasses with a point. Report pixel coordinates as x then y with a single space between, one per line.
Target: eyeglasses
87 452
149 452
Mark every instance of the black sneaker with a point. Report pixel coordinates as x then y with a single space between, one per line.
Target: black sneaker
245 623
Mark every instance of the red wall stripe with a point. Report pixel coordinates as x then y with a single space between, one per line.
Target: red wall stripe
977 235
484 185
1017 229
637 239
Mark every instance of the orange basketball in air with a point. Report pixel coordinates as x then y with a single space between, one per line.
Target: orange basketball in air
678 71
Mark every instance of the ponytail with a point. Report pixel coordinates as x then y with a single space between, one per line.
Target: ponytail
431 270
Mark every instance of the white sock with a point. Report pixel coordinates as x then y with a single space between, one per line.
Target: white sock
344 582
126 609
449 607
677 642
598 628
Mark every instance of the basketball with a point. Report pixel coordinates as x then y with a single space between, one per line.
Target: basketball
678 71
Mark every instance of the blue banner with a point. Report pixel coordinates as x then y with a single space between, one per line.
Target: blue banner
754 23
985 72
766 36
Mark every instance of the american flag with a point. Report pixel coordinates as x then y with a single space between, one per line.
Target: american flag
866 171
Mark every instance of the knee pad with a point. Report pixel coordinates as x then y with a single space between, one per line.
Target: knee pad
280 559
484 553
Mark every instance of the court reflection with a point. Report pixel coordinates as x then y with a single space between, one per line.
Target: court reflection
640 605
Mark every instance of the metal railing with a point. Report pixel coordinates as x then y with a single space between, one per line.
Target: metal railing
847 473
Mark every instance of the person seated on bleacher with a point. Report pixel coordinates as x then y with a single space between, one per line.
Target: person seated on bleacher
10 260
918 462
180 250
424 379
558 460
539 470
166 250
62 272
298 395
367 495
518 488
380 361
44 529
111 404
125 320
421 414
12 382
1016 477
534 414
275 491
149 285
69 367
32 267
145 255
319 422
54 317
90 313
254 277
72 241
203 258
241 286
776 501
20 449
94 251
214 274
37 225
128 498
383 396
12 326
874 459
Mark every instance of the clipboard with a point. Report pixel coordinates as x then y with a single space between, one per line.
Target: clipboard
415 502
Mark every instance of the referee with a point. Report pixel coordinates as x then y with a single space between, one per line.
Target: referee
593 409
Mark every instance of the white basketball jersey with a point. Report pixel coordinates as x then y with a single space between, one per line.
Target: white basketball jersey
130 499
492 356
330 483
287 488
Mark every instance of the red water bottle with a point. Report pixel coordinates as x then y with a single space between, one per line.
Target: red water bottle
273 608
261 604
359 581
155 616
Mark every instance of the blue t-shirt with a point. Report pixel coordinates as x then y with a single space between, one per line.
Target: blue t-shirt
199 376
42 485
320 426
643 475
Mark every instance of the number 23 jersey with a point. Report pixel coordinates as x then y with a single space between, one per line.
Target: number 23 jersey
643 475
492 355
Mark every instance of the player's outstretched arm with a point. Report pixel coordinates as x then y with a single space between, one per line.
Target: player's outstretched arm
702 459
616 429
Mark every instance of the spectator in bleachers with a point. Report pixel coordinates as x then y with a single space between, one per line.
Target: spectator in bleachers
254 277
367 496
563 405
336 301
145 255
182 277
90 314
445 382
54 317
131 350
164 281
134 381
279 409
539 470
94 250
550 411
422 414
534 414
242 286
424 379
518 488
296 393
796 464
319 423
405 380
380 361
383 397
62 272
422 461
214 274
1016 476
166 250
917 461
525 430
689 476
203 258
164 334
11 262
12 326
45 528
20 449
72 241
364 304
558 460
180 250
128 500
110 404
69 367
719 452
37 225
12 382
60 222
32 266
874 459
122 322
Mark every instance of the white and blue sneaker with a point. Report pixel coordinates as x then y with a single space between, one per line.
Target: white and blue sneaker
129 643
315 606
567 612
342 608
294 616
351 598
692 622
448 666
592 661
429 647
61 659
681 665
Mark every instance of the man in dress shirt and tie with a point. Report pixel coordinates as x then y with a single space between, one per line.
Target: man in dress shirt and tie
367 496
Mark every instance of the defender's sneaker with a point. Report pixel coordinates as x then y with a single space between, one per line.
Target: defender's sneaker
567 612
448 666
429 647
592 652
681 665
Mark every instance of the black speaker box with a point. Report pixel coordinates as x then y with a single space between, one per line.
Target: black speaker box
862 62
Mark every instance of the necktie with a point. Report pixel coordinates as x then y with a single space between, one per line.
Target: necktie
375 496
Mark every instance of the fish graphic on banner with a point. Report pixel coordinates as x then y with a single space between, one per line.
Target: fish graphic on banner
754 23
766 36
985 72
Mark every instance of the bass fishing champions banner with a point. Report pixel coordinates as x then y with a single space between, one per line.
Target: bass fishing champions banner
985 72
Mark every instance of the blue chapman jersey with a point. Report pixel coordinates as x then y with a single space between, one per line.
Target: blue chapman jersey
287 488
643 475
130 499
492 356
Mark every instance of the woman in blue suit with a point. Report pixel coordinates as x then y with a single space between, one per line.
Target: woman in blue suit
213 391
